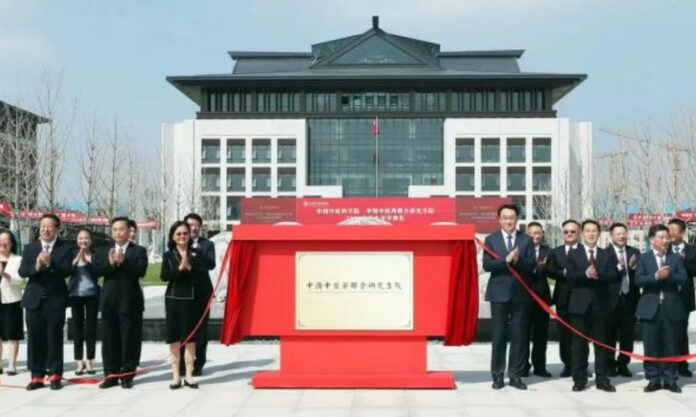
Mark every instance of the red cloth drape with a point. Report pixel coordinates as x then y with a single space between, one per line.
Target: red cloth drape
463 302
238 277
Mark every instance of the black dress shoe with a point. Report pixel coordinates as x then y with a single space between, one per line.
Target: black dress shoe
11 373
624 372
126 383
566 373
35 385
175 386
686 373
108 383
542 373
517 383
672 387
191 385
56 384
579 386
605 386
498 383
652 387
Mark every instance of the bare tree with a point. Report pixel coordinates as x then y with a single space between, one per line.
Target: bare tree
53 138
91 163
112 178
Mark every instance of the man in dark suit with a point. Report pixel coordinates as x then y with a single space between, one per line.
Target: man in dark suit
121 304
624 297
661 274
46 263
510 303
203 290
590 271
539 319
561 290
677 229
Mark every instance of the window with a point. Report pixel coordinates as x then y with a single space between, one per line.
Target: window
210 151
210 179
236 151
320 102
261 180
375 100
286 151
235 180
515 150
522 100
490 150
516 179
521 202
473 101
233 208
490 179
261 151
465 150
541 178
286 180
430 101
541 150
465 179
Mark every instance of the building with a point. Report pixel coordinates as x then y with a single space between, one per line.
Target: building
450 123
18 156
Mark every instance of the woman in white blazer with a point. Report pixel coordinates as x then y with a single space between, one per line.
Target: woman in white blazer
11 322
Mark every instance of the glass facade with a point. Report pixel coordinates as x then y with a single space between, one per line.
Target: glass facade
343 152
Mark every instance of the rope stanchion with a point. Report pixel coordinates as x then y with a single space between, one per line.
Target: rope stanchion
572 329
156 362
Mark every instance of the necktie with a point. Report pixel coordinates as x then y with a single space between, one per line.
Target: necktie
592 258
509 243
624 282
46 248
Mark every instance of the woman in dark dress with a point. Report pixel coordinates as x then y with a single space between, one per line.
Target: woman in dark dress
181 267
84 303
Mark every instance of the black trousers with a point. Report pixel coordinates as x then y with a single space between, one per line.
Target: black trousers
538 336
121 342
594 324
661 337
45 340
565 337
84 320
509 322
623 323
684 343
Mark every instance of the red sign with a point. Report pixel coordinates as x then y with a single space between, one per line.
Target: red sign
148 224
98 220
482 212
686 215
5 209
395 210
268 210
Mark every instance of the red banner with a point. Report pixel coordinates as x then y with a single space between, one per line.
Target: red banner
395 210
482 212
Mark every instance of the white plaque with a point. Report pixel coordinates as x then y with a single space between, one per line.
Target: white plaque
354 291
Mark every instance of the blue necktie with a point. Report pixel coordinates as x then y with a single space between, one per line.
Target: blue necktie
509 243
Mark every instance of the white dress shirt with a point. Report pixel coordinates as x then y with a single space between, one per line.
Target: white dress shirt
11 289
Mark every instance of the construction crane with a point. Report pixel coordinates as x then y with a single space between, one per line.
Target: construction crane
672 148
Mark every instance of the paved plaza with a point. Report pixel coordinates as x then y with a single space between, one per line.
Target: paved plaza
225 390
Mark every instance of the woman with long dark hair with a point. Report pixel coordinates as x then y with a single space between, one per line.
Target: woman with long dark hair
11 328
84 303
182 266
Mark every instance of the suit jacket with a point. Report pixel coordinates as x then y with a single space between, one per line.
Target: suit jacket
47 284
184 284
687 290
121 292
204 287
652 287
615 288
539 283
502 285
557 271
588 293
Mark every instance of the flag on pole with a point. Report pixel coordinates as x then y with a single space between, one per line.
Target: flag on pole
375 127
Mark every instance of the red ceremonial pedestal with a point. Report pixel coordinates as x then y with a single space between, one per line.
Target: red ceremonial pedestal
347 358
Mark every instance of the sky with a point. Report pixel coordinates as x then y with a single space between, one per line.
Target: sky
113 57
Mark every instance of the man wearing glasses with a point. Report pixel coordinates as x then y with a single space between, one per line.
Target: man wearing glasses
561 292
510 303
